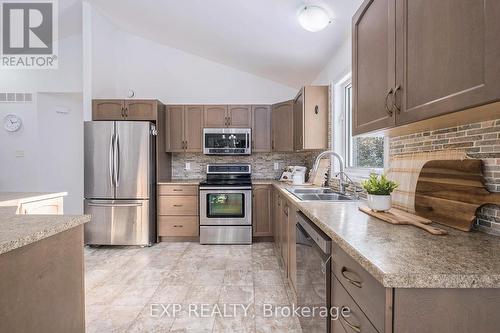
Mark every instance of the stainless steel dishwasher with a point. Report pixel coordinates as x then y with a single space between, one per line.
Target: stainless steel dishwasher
313 274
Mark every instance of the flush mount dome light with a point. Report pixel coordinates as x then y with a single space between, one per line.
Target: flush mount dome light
313 18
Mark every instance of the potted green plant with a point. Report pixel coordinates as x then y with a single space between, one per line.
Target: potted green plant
379 190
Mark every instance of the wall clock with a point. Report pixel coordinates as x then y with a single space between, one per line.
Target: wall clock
12 123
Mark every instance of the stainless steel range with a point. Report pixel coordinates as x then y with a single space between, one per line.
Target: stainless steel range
226 205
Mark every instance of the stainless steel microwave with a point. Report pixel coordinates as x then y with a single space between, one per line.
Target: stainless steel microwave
227 141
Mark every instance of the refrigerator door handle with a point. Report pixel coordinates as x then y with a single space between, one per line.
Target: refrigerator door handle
115 205
111 160
117 160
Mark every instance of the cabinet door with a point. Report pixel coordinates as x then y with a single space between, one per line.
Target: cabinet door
261 207
292 254
277 219
215 116
108 109
175 126
448 56
298 121
373 66
282 121
193 128
239 116
261 128
316 110
140 110
284 232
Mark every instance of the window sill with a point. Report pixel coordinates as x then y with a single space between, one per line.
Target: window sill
358 175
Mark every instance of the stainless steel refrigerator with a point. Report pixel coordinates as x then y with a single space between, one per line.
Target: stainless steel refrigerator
120 179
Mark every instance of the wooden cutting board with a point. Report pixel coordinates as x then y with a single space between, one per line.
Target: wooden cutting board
451 191
396 216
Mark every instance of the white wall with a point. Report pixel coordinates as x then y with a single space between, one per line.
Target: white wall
46 153
60 147
67 78
338 67
154 70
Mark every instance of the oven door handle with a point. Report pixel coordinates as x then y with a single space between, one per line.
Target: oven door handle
225 189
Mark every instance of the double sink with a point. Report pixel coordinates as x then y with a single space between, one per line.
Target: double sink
318 194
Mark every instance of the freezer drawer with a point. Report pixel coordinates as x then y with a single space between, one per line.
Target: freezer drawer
225 234
118 222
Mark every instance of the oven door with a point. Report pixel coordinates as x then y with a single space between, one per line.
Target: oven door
219 206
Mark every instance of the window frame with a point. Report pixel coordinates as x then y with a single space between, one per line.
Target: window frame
341 133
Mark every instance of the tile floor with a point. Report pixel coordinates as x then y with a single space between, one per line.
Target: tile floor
125 285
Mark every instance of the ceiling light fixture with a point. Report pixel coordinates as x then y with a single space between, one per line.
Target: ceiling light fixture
313 18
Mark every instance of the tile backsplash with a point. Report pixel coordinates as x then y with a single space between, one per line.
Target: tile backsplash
478 140
262 163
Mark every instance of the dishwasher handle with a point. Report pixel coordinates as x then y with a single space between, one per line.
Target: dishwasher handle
321 240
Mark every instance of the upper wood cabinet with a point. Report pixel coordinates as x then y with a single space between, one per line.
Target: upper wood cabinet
185 127
261 210
108 109
140 109
373 65
414 60
193 128
215 116
282 127
261 128
228 116
175 128
448 56
239 116
118 109
310 118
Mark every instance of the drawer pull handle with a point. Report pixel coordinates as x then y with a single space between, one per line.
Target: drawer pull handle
343 317
178 226
177 189
352 281
178 205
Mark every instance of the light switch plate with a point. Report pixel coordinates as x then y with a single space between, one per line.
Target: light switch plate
188 166
276 166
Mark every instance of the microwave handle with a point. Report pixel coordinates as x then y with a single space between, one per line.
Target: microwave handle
248 140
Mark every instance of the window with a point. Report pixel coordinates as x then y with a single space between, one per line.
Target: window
363 154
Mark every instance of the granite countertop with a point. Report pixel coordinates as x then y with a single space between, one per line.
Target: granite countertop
401 256
17 198
19 230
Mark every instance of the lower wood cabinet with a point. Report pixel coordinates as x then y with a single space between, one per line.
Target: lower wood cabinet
261 210
352 279
178 212
178 226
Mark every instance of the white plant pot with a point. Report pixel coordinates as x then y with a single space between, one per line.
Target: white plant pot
379 203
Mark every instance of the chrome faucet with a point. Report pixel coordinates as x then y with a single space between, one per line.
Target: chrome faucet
341 165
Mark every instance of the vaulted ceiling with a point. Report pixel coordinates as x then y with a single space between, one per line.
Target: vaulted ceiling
261 37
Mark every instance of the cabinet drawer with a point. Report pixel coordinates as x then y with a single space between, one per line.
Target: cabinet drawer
368 293
178 190
178 205
357 320
178 226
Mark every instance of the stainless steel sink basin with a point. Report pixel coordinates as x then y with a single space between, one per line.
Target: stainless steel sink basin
318 194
